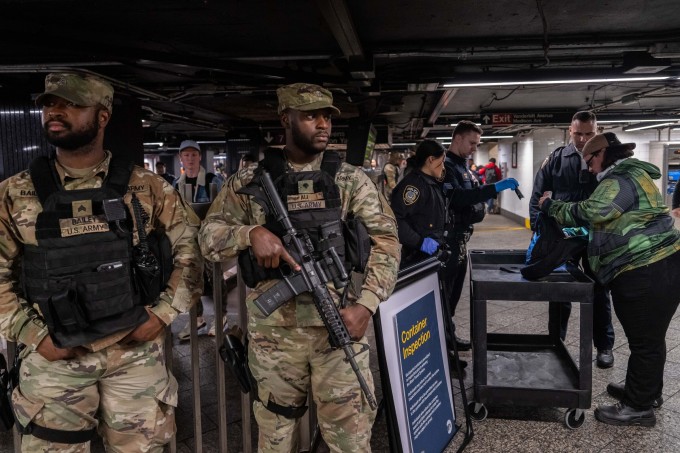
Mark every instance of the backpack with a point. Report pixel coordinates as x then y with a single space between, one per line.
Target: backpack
550 248
490 175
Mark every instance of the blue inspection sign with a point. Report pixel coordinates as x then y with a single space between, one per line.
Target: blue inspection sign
413 342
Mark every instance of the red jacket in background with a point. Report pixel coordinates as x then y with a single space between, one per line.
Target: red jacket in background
490 165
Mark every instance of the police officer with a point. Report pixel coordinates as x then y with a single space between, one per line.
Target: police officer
289 352
419 204
467 198
566 175
94 355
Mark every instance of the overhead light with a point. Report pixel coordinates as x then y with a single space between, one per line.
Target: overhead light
201 142
556 81
636 127
31 148
153 144
637 120
493 137
456 124
403 144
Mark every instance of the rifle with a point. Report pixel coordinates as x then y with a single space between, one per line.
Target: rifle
311 278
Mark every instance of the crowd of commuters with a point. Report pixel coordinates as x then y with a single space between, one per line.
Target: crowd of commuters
75 222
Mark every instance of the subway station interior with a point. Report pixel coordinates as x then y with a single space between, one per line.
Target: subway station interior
400 71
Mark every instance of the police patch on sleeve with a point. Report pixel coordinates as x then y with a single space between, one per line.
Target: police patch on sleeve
411 194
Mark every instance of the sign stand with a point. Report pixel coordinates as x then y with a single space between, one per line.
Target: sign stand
410 330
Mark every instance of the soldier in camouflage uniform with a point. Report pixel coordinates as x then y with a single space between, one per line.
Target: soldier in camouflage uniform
289 351
119 383
633 250
390 176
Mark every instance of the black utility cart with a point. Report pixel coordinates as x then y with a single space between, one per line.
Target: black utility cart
528 369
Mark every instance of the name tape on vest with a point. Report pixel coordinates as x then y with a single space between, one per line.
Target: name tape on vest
83 225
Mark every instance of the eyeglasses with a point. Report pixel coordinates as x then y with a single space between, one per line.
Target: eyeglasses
593 156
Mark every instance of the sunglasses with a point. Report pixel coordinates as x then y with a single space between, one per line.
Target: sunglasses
593 156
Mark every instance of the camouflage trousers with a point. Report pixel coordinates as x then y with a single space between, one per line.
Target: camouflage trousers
126 392
286 362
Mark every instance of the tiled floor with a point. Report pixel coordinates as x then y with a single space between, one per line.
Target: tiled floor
507 429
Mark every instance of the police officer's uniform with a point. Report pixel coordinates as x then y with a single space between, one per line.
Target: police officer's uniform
467 200
420 209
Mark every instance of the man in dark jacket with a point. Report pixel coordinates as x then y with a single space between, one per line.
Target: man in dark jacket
466 198
566 175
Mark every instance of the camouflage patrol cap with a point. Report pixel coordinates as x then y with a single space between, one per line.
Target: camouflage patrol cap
305 97
81 89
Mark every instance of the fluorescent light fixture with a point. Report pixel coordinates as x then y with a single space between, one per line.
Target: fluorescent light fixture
492 137
153 144
31 148
404 144
649 126
18 112
208 142
456 124
555 82
636 120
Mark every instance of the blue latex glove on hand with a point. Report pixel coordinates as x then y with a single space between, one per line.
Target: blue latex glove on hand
429 246
508 183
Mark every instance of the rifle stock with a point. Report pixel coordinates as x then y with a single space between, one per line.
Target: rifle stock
311 278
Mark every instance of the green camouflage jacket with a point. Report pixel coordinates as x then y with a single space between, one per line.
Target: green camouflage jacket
226 229
19 207
629 223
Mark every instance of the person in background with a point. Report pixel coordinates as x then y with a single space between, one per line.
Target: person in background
162 171
288 351
246 160
94 356
633 250
199 180
467 202
565 173
195 174
490 173
473 168
391 173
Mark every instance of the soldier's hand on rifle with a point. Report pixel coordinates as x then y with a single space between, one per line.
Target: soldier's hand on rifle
49 351
356 318
268 249
147 331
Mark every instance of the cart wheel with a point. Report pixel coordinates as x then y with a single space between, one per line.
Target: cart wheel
477 411
574 418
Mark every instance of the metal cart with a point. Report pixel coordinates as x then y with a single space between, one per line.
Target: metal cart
528 369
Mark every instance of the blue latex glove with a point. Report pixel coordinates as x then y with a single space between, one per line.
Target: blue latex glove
429 246
505 184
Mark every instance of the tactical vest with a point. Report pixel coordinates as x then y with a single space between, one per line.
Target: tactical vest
314 206
80 274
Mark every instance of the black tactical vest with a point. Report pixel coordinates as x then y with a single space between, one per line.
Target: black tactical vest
80 273
314 206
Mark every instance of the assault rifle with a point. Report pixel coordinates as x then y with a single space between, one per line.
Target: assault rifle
311 278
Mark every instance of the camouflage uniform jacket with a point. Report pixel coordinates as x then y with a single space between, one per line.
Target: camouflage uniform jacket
391 173
226 229
629 222
19 208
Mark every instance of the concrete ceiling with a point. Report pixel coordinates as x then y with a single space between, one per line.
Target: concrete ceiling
207 68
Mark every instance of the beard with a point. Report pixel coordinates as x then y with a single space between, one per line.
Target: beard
304 143
70 139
